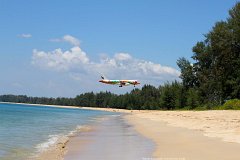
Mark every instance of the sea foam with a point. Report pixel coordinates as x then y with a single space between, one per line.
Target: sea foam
52 140
60 138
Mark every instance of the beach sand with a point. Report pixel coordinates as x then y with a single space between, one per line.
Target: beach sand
112 139
55 152
190 135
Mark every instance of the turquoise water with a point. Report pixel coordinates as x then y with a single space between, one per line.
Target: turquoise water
25 130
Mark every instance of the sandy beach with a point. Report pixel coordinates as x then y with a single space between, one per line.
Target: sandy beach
112 138
213 134
181 135
190 134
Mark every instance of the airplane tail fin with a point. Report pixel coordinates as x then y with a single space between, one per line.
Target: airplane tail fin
104 77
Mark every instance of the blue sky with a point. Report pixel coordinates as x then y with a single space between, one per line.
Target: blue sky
123 39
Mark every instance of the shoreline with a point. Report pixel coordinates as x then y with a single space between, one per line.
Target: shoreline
46 105
72 107
112 138
58 150
186 131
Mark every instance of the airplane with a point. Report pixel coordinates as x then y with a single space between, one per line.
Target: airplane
121 83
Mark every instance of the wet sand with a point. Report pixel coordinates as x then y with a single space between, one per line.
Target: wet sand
189 135
55 152
112 138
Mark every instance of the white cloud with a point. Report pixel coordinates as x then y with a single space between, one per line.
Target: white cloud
60 60
78 66
67 38
128 67
25 35
72 40
122 56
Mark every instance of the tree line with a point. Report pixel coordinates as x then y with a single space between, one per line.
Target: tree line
210 79
167 97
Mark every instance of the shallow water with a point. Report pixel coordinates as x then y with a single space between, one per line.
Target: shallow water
26 130
112 139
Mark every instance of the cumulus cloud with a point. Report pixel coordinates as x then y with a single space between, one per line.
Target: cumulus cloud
67 38
122 56
123 65
25 35
60 60
72 40
78 65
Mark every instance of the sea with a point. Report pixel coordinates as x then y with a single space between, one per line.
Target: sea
27 130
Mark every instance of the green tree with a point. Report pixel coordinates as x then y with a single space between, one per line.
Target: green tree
192 98
187 73
168 97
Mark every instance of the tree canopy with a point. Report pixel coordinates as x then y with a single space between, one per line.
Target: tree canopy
215 72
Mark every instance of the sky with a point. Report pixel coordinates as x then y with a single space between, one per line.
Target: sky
60 48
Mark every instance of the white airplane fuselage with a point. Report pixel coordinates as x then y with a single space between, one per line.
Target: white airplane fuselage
121 83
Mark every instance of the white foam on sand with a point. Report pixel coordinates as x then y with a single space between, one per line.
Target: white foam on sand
52 140
55 139
79 128
54 146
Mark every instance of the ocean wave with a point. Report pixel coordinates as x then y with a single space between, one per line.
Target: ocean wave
117 115
53 140
79 128
99 119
